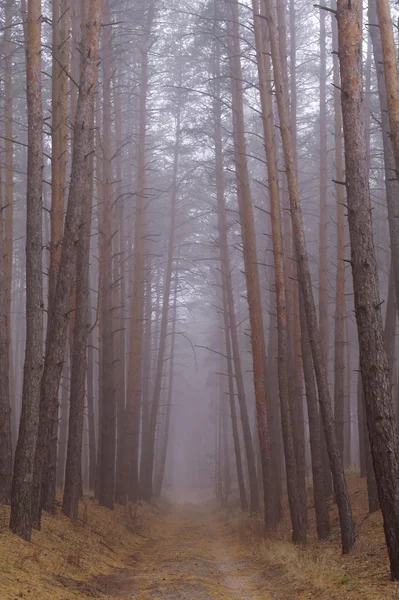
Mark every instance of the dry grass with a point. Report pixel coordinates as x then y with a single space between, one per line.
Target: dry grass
66 560
319 570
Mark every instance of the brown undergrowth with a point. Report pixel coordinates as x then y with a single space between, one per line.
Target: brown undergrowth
319 570
66 560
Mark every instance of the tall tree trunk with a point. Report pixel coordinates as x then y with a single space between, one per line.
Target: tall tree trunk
64 417
120 293
250 260
73 470
150 451
59 315
22 490
108 424
391 182
59 133
348 405
341 491
320 502
5 406
90 408
145 413
389 60
137 304
373 360
8 227
296 493
340 312
230 325
165 439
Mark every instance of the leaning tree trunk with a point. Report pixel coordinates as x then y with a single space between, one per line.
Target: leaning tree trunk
373 359
296 493
250 260
341 490
58 317
22 489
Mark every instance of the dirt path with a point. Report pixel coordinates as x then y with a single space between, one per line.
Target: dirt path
190 558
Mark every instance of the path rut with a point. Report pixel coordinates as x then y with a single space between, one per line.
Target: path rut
190 558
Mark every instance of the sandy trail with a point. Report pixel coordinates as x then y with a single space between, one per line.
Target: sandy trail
189 558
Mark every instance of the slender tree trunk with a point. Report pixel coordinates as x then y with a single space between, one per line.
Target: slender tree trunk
229 317
8 227
389 60
120 294
131 476
147 490
5 406
274 413
21 499
145 413
165 439
64 418
108 423
320 502
340 312
296 497
250 260
90 408
59 315
373 360
341 491
59 133
73 470
391 182
348 405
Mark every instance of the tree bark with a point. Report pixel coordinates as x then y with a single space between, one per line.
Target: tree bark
250 260
131 476
5 406
22 489
296 493
73 469
108 423
340 312
147 489
230 325
64 418
373 359
341 491
59 315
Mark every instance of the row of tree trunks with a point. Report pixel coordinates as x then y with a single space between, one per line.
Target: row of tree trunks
147 491
297 502
134 383
229 320
341 491
58 317
250 261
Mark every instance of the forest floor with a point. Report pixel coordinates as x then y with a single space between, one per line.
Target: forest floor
191 552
